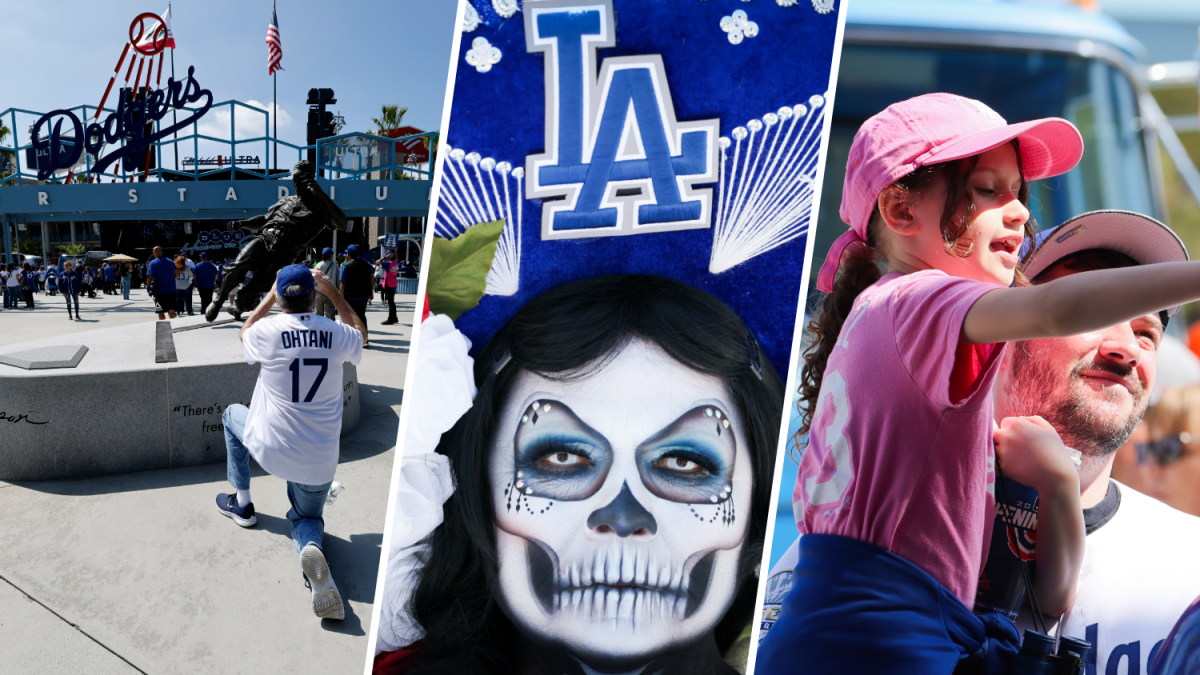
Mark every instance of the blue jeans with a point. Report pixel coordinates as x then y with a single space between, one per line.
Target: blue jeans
125 287
11 293
183 296
308 501
71 297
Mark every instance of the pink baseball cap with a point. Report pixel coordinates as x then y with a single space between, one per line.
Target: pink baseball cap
931 129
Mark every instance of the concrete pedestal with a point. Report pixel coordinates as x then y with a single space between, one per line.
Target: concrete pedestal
118 411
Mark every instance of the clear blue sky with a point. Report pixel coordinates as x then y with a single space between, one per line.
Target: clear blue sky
61 53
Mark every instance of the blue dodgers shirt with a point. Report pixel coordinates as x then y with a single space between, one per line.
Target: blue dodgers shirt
206 275
163 271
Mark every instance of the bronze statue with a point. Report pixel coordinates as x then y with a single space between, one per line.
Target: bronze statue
283 232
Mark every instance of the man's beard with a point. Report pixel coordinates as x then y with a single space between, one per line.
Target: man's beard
1032 391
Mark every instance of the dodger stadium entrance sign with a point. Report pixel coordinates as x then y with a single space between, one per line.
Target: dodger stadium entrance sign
203 199
131 140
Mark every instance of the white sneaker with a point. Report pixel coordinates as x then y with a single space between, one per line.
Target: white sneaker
326 601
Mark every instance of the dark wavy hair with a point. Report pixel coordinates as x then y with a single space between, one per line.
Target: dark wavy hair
861 266
567 333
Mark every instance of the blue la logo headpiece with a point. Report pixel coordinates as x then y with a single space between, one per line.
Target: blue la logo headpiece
613 136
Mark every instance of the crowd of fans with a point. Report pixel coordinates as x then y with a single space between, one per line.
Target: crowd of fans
192 274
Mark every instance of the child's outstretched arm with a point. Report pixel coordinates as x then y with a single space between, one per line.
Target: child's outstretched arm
1080 302
1030 452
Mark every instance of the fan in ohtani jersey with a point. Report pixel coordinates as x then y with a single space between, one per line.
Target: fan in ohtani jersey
294 421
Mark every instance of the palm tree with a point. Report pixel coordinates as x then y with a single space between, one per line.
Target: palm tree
392 114
390 119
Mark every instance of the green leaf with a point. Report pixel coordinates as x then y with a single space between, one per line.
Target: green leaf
458 268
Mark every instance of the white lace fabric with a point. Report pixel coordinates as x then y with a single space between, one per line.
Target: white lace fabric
445 380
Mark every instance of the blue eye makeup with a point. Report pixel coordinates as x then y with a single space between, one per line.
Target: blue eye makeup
691 461
556 455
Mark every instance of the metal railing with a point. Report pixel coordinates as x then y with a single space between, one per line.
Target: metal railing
352 156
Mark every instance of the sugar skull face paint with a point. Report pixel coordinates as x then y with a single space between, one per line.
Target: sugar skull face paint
617 499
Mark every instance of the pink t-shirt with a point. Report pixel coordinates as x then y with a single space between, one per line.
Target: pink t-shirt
892 460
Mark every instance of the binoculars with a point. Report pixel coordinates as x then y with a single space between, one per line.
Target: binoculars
1037 656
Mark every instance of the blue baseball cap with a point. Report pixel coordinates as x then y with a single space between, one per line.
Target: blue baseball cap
326 251
204 255
294 275
352 248
1136 235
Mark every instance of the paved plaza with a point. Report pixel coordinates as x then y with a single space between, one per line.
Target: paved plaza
140 573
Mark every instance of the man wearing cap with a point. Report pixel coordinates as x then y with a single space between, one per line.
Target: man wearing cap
357 281
295 417
1139 567
1138 570
205 274
329 267
160 275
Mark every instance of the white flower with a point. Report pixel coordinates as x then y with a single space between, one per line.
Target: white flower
505 8
482 55
444 375
471 19
738 26
822 6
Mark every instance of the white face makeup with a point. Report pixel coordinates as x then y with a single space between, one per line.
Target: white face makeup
622 501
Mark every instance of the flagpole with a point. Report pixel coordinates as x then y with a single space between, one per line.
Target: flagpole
275 101
174 114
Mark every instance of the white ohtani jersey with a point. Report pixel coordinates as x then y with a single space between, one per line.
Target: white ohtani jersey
1140 571
296 413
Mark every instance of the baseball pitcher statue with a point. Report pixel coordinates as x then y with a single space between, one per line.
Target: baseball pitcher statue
283 232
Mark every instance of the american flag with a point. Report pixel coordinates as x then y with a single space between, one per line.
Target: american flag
275 50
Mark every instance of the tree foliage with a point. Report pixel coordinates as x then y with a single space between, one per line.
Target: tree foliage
389 119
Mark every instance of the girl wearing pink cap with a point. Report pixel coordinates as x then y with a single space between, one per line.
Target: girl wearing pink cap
895 490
